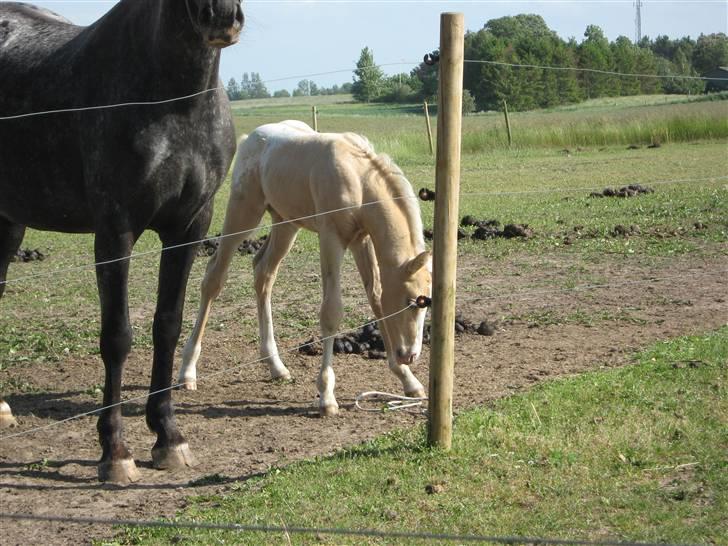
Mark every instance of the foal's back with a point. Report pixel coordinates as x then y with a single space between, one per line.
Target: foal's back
301 172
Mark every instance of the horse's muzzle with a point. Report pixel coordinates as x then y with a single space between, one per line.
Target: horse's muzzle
224 39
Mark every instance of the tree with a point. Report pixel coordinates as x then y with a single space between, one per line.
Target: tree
595 54
281 93
257 89
368 78
233 90
711 51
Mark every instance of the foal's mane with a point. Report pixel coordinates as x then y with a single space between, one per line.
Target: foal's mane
394 182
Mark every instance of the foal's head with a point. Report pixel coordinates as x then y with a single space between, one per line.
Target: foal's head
401 287
219 22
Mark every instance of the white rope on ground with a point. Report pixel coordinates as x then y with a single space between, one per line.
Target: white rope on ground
317 215
392 402
286 529
199 380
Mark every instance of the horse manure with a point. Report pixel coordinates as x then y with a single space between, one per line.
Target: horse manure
427 195
469 221
511 231
485 329
622 231
625 191
633 147
700 225
27 255
376 355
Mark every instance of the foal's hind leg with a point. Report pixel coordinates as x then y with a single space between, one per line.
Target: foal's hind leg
266 265
11 235
241 219
366 263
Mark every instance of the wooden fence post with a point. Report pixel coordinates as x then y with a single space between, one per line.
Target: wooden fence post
508 123
429 128
447 189
314 115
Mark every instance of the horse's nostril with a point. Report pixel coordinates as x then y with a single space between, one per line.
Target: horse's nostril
239 17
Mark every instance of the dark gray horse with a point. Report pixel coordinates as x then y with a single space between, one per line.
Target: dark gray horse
116 172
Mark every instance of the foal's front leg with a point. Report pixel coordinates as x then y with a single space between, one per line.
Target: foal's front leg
366 263
171 450
332 255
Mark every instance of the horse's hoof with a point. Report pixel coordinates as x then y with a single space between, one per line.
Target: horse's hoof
283 376
119 472
331 410
6 416
188 385
173 457
417 393
280 372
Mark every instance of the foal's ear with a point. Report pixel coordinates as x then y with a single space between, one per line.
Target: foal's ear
418 262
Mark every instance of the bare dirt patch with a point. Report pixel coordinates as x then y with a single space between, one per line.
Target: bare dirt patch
241 424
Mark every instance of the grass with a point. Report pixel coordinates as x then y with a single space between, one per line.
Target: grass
636 454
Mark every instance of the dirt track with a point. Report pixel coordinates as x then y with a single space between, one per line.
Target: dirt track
243 425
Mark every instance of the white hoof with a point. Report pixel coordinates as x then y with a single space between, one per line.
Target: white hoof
6 416
329 410
188 385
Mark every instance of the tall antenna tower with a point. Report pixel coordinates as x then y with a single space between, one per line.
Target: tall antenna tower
638 21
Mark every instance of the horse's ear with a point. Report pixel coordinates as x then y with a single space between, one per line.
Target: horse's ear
418 262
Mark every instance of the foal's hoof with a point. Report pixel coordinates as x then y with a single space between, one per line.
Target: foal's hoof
119 472
417 393
6 416
331 410
172 457
188 385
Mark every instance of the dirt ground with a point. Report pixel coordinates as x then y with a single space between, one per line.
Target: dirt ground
240 424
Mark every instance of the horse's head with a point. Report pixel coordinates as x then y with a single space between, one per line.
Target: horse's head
219 22
401 287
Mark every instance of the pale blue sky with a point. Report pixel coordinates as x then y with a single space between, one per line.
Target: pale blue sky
295 38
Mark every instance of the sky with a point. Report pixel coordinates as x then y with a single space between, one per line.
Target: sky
286 41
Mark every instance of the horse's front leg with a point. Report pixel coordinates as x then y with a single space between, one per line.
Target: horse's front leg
117 464
366 263
332 255
171 450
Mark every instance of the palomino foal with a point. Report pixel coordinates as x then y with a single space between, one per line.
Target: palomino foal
296 173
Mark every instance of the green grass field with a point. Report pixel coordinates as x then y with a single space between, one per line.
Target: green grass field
635 454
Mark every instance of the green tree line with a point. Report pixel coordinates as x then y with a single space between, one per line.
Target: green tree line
527 40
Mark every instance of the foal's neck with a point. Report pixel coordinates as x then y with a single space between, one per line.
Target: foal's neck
394 232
